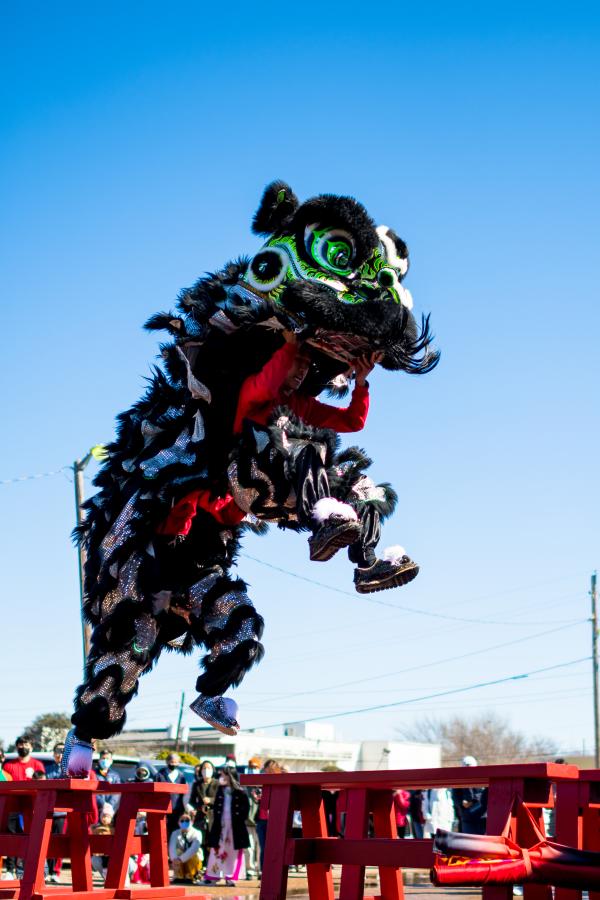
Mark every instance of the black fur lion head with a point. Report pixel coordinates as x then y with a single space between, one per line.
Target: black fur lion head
338 277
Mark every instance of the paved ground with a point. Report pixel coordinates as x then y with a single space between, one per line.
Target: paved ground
417 885
297 888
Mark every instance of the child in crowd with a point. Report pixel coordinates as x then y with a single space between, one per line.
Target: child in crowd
185 851
104 826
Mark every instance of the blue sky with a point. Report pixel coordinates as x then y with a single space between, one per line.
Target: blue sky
135 143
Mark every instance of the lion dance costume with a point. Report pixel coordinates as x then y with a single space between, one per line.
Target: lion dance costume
180 483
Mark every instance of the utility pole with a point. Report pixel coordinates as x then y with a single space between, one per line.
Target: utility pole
594 596
78 467
179 721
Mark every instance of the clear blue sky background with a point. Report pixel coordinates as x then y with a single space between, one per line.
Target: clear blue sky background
136 140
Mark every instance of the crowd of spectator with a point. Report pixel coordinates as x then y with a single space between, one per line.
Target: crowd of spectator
217 829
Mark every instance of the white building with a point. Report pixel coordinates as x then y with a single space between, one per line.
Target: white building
306 746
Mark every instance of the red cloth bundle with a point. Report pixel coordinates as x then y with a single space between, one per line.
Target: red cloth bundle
490 859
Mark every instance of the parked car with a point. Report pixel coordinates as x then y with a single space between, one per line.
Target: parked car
125 766
186 770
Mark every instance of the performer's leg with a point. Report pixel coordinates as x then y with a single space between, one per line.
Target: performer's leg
230 628
362 552
280 473
372 574
333 523
123 648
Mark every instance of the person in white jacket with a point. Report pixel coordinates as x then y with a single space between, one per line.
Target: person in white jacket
439 810
185 850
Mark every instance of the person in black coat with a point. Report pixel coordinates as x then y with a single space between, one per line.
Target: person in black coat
202 797
228 836
173 775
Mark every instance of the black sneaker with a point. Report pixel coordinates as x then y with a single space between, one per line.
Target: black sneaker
331 536
385 574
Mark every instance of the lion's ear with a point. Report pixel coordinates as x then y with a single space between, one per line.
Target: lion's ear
278 204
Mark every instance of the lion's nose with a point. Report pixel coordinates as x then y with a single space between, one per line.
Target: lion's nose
367 290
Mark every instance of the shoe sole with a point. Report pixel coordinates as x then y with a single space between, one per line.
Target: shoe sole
343 539
224 729
398 579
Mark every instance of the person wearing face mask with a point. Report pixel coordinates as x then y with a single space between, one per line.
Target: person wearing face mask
59 819
228 836
252 853
202 798
185 851
143 774
105 773
23 767
172 774
20 769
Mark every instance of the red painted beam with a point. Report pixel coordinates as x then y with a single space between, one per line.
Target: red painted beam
412 854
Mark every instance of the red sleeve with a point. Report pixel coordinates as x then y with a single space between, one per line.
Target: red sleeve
264 387
342 420
180 518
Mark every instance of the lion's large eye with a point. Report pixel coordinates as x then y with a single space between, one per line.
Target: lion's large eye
267 270
331 249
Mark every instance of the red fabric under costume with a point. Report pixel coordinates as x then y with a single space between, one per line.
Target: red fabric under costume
259 395
179 521
496 859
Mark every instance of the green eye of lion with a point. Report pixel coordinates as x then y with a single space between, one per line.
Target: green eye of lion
338 254
331 249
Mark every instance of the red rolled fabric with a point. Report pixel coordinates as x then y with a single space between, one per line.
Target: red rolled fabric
464 859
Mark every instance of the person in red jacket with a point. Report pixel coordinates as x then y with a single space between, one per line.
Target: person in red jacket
333 524
278 384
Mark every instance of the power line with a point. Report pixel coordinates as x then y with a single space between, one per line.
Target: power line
400 607
427 665
21 478
461 690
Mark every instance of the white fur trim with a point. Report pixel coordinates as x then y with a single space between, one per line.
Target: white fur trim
340 381
390 250
405 297
329 506
394 554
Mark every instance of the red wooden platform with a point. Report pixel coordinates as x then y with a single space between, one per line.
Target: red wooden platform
372 792
37 800
578 820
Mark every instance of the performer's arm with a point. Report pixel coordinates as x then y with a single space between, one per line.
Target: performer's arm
265 386
192 849
341 419
345 419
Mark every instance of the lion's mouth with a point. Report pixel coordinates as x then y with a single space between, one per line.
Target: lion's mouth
344 347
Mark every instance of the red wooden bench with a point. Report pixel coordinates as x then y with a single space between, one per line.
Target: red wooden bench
372 792
37 800
578 819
